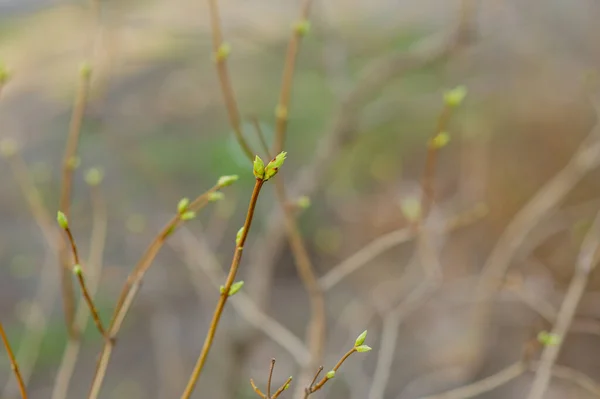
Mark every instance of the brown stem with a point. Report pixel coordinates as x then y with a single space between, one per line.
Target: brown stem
282 388
270 378
235 263
428 194
13 362
225 80
257 390
82 284
287 81
68 165
131 287
312 389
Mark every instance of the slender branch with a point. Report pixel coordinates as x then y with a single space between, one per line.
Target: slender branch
132 286
282 110
261 136
270 378
314 380
388 241
220 51
485 385
77 270
282 388
312 388
235 263
199 257
69 163
13 362
257 390
586 262
95 263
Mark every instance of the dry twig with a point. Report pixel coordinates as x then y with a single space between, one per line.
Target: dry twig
13 362
586 262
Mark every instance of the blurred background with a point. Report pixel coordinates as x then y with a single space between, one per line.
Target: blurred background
368 90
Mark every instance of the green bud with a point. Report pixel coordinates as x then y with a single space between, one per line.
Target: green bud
215 196
94 176
281 112
235 287
62 220
4 74
225 181
223 52
303 202
259 168
360 339
411 208
455 97
286 386
8 147
77 269
73 162
188 215
548 339
238 236
302 27
183 204
330 374
440 140
222 289
85 70
363 348
273 166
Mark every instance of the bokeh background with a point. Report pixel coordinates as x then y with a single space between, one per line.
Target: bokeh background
157 127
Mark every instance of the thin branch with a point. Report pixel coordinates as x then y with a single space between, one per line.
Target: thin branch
282 388
69 163
257 390
132 286
13 362
235 263
95 264
270 378
200 259
220 53
287 79
485 385
261 136
586 262
312 388
386 242
77 270
585 159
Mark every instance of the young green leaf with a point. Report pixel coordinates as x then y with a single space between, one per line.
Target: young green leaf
235 287
62 220
77 269
188 215
363 348
238 236
455 97
360 339
215 196
228 180
182 205
273 166
259 168
330 374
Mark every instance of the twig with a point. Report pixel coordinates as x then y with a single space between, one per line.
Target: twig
485 385
270 378
77 270
36 322
386 242
586 262
95 263
261 136
235 263
69 163
282 388
220 53
13 362
314 387
199 257
586 158
132 286
282 110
